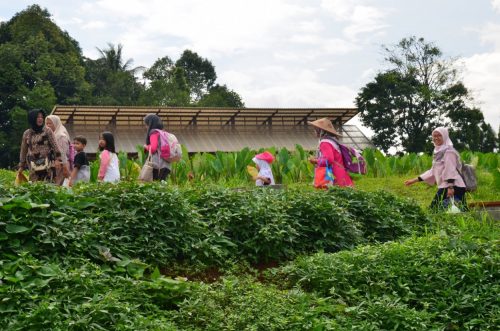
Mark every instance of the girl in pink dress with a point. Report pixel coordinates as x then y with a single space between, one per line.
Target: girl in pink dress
328 156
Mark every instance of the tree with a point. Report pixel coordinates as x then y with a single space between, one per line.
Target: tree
113 80
200 73
419 91
168 85
41 66
221 96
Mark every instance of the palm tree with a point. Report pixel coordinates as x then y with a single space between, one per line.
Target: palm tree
112 57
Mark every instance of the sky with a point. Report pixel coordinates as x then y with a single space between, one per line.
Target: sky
290 53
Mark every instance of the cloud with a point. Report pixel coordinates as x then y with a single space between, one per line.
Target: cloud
496 5
361 19
482 76
279 86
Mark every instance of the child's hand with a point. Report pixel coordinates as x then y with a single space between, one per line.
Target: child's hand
313 160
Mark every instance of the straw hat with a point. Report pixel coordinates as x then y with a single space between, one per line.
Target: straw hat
265 156
326 125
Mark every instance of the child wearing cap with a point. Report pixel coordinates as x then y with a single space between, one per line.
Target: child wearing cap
263 164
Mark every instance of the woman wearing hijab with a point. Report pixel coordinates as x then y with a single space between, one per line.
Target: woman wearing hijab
53 122
39 150
161 168
444 172
328 157
263 163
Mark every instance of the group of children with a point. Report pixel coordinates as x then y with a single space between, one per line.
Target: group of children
109 170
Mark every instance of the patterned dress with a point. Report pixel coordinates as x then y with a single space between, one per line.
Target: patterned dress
38 147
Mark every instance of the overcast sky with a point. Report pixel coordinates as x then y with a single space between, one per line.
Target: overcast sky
290 53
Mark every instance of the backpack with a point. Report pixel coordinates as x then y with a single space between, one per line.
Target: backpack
354 162
468 174
170 149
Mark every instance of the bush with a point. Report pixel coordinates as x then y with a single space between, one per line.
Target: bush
448 280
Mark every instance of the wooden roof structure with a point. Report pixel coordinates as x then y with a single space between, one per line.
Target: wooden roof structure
209 129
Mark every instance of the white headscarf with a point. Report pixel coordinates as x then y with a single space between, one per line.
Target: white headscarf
446 139
60 130
264 171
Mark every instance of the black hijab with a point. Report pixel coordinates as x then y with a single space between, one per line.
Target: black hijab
153 122
32 116
110 141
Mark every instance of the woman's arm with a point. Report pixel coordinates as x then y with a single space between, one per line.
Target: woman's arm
327 156
53 143
153 143
105 159
24 150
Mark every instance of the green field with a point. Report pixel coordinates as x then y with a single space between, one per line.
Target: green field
224 255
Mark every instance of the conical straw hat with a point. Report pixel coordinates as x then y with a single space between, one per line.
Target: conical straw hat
326 125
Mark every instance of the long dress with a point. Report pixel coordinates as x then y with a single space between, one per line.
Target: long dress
329 155
38 146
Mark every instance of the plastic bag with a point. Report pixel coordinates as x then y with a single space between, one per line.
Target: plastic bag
20 178
253 172
452 208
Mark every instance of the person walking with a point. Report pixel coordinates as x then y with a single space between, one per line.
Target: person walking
63 141
444 173
329 166
161 167
39 150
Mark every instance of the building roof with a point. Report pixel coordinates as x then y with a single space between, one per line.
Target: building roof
210 129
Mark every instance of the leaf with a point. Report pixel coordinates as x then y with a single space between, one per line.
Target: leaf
156 274
13 228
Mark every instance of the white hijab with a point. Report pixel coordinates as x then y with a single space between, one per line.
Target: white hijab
446 140
264 171
60 130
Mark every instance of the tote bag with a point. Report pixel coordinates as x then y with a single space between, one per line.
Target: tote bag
146 174
323 177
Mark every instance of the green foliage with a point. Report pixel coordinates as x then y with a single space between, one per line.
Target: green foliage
41 66
208 225
446 280
199 72
221 96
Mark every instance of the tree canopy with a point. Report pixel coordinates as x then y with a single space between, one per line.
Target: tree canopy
419 91
43 66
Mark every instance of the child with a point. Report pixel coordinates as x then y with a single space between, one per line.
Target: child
109 170
263 164
81 169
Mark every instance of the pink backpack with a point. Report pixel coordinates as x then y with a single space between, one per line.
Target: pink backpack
170 149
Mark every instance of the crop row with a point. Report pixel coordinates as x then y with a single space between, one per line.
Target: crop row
204 225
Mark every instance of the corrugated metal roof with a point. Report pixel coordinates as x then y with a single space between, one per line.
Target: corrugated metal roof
210 129
228 140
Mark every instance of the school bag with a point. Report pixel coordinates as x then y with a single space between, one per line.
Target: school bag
170 148
354 162
468 174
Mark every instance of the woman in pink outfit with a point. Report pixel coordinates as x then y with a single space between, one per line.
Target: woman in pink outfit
328 154
444 172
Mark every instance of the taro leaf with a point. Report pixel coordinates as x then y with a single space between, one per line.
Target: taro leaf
3 236
13 228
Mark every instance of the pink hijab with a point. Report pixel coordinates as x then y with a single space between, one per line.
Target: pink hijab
446 139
